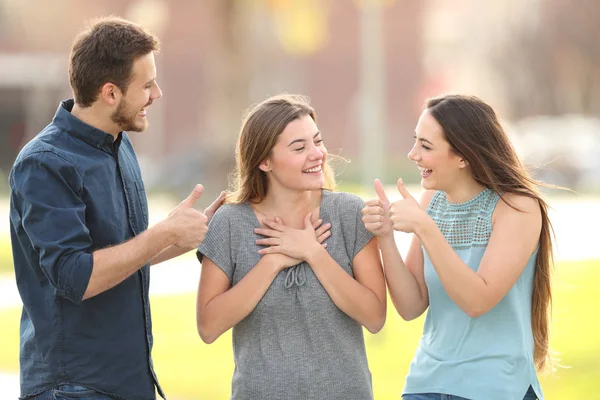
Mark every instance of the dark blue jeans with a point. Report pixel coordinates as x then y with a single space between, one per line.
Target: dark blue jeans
70 392
530 395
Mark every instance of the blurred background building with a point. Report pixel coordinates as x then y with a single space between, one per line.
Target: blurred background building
367 65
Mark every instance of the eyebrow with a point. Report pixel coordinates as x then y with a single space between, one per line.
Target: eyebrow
302 140
423 139
150 81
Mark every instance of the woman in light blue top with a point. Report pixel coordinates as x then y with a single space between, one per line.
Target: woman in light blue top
480 258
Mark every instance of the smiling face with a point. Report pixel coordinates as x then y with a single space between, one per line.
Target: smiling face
130 113
297 160
440 165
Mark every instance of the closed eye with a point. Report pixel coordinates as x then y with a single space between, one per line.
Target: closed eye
423 141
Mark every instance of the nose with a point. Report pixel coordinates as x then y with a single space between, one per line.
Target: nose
316 153
412 154
156 92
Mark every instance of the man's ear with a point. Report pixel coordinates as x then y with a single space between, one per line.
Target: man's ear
110 94
265 165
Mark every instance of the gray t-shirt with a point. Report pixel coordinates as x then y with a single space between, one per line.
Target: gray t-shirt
296 343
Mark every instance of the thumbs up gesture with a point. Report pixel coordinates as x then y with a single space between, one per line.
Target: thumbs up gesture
191 200
405 214
375 213
187 225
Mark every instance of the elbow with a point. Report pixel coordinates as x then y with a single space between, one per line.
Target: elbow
408 316
206 335
206 331
474 313
476 310
376 325
411 313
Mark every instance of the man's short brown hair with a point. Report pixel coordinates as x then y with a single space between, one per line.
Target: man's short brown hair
105 52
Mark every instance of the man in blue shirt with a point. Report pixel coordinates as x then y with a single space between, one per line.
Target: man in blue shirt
79 228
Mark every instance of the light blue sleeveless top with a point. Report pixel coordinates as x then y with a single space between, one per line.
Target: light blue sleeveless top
485 358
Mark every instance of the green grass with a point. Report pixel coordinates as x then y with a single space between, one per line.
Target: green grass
189 369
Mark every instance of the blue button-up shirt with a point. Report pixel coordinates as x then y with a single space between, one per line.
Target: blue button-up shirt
74 190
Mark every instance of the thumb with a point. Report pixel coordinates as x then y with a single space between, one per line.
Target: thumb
193 197
380 191
403 191
307 222
210 210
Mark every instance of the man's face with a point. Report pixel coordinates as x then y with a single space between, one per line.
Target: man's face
130 114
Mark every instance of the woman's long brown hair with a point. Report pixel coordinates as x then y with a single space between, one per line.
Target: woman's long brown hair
473 131
260 130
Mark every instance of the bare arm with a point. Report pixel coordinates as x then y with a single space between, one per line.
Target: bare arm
363 299
515 236
168 254
405 280
114 264
173 251
219 306
183 229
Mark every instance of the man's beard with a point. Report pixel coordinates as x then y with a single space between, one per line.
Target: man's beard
125 117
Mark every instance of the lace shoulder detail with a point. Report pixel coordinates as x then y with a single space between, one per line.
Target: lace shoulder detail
467 224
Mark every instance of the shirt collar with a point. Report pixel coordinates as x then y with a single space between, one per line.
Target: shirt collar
82 131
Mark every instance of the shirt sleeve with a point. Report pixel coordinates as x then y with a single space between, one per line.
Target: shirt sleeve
217 242
47 204
356 235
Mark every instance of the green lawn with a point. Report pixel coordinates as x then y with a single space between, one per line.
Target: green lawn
189 369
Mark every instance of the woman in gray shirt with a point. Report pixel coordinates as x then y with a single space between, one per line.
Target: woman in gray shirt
296 298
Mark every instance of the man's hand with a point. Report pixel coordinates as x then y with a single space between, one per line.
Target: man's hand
188 225
212 209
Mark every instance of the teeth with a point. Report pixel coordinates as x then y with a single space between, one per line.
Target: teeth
315 169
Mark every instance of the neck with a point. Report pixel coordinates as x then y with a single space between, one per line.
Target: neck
96 118
464 191
290 206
